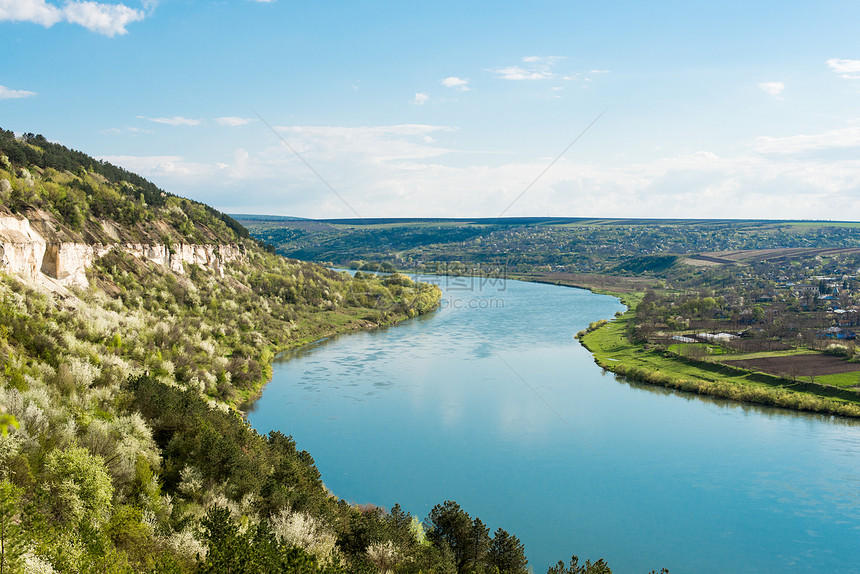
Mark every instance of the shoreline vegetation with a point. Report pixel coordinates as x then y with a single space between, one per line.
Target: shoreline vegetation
608 342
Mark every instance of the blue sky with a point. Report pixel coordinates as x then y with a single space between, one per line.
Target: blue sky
729 109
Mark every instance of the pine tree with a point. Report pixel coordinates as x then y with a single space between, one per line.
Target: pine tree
507 553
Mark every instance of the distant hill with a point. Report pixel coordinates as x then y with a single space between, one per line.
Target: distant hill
251 217
542 244
537 220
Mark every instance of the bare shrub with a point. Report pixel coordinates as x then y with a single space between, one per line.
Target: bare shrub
304 531
383 555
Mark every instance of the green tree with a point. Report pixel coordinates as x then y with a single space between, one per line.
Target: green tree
449 525
79 485
228 550
6 421
479 543
11 535
256 551
130 534
575 567
507 553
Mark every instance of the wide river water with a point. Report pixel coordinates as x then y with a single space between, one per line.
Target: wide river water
490 401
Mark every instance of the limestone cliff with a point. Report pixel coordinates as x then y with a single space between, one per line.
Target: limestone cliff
26 252
21 248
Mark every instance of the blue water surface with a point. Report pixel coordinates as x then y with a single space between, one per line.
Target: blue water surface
490 401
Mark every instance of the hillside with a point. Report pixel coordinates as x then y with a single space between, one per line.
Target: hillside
71 197
120 448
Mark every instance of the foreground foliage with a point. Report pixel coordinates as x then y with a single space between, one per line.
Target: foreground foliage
121 445
119 449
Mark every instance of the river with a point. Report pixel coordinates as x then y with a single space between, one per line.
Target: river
490 401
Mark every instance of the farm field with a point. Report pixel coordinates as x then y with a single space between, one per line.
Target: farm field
800 365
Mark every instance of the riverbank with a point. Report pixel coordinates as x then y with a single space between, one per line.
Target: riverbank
608 343
612 350
628 289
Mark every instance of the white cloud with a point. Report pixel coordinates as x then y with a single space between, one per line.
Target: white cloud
226 121
518 73
550 60
537 68
232 121
844 138
542 68
9 94
158 167
173 121
411 169
772 88
36 11
455 82
420 98
849 69
373 144
107 19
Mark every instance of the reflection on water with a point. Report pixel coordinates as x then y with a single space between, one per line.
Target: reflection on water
499 408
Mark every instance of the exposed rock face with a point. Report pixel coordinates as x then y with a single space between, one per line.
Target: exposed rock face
21 248
209 256
25 252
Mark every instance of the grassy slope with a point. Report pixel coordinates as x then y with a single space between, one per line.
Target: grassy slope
843 380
